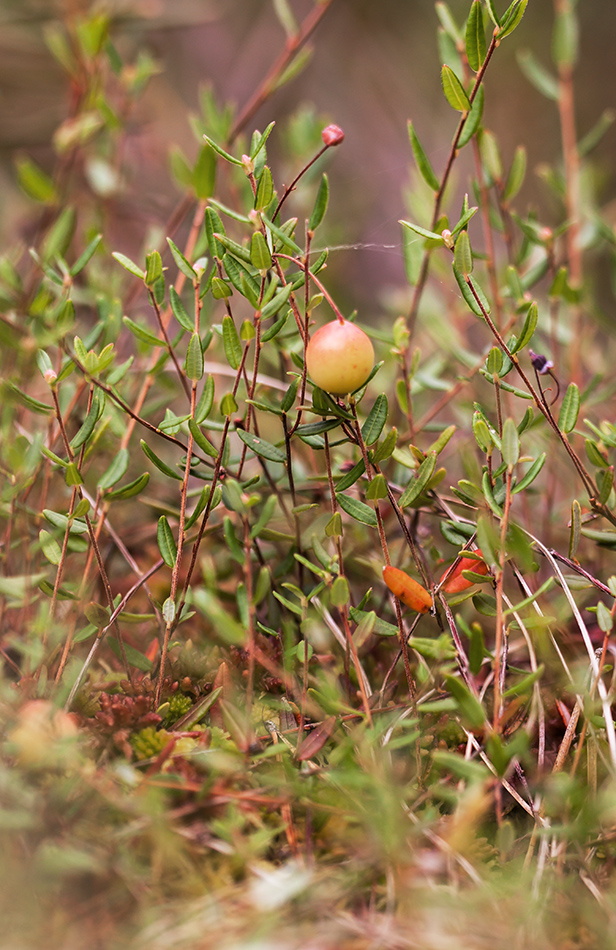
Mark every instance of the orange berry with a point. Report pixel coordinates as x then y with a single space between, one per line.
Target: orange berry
456 582
407 590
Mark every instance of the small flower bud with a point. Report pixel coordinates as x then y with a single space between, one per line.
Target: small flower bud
447 238
50 376
332 135
249 165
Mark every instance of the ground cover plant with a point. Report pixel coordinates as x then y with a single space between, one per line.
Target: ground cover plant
306 612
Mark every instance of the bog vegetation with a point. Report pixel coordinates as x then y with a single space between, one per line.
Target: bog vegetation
299 666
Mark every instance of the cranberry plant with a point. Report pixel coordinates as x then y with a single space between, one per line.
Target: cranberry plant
295 568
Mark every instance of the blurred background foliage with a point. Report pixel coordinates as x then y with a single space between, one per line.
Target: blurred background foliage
372 68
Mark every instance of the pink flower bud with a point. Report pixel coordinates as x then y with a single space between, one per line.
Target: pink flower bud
332 135
50 376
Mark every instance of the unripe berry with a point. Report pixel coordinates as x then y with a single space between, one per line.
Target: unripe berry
339 357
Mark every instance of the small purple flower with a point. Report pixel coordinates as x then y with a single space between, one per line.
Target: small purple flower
541 364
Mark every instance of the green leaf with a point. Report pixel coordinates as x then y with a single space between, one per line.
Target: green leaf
477 650
604 618
33 180
490 156
44 364
282 236
377 417
439 444
134 656
430 235
204 444
607 483
594 455
154 268
333 528
166 542
351 476
423 163
448 23
295 67
50 547
129 265
274 306
387 446
206 401
265 189
260 139
16 394
160 465
87 428
357 509
232 343
204 175
488 494
569 409
531 475
238 250
470 708
473 119
228 404
465 218
168 611
475 37
194 359
463 255
419 483
320 204
220 289
516 174
131 489
181 262
377 489
213 225
538 75
468 295
116 470
179 311
530 325
511 18
482 434
83 258
289 397
492 12
510 445
74 525
262 448
142 333
316 428
220 151
72 475
381 627
260 256
454 90
340 592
